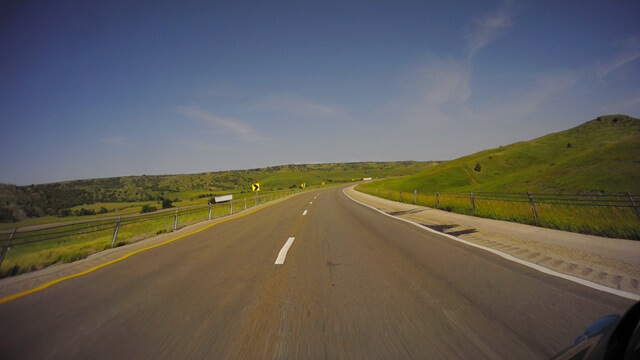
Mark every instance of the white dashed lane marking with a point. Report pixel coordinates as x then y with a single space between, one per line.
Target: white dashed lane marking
283 252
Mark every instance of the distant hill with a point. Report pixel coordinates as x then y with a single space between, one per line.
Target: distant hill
601 156
20 202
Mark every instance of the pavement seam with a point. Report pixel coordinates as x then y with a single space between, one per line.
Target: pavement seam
506 256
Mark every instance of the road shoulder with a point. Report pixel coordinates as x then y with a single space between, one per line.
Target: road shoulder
614 263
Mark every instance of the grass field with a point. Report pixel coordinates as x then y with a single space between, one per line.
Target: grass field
609 221
599 157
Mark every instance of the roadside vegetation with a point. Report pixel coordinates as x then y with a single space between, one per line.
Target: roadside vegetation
110 197
597 159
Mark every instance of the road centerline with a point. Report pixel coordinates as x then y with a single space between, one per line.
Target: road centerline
304 213
283 252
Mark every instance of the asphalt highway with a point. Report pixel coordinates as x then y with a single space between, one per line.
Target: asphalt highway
317 276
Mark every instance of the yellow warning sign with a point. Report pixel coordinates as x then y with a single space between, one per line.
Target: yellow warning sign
255 187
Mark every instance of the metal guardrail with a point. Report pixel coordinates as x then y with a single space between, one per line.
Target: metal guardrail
15 237
611 200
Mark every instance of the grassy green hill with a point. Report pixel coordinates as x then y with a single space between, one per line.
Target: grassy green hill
601 156
122 195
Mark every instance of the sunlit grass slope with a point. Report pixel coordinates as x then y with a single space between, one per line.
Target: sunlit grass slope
601 156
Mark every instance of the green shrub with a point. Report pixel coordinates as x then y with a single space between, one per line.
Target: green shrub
167 203
148 209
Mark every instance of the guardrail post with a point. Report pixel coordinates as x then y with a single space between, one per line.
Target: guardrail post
415 197
400 195
473 202
6 247
633 203
270 197
245 203
437 199
210 207
175 220
255 201
231 207
533 207
115 233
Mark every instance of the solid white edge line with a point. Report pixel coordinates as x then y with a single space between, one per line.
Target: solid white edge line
304 213
283 252
542 269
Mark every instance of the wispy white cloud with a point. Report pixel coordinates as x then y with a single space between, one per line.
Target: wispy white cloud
440 88
114 140
235 127
301 107
627 54
489 27
425 93
630 105
522 102
443 81
617 63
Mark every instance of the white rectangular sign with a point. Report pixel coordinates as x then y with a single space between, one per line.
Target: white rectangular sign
223 198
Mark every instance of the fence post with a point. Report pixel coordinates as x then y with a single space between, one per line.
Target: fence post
270 197
255 201
437 199
473 202
6 247
633 203
245 203
115 233
175 220
533 207
415 196
210 206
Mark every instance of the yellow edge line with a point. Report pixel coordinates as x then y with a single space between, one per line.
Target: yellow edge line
85 272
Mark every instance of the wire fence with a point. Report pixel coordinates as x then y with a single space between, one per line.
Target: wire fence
612 215
42 245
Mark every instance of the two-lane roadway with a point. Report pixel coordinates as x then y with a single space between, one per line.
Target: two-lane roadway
315 276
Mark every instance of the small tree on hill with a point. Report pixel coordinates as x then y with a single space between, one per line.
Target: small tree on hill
167 203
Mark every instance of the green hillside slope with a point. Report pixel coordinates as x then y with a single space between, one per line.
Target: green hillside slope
123 195
601 156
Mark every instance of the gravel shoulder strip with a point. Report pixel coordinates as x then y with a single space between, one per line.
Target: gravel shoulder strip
611 262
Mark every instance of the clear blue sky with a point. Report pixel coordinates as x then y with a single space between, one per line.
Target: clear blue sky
109 88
